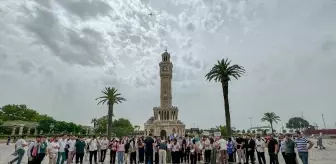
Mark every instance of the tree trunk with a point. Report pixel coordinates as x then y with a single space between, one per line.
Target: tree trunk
225 87
109 121
272 127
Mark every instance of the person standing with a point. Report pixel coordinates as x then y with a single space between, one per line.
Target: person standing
301 145
193 154
141 150
214 151
250 149
282 141
103 145
53 150
207 151
113 152
149 142
71 142
32 151
121 152
19 150
240 150
132 151
169 151
80 150
175 152
223 150
260 144
273 148
290 150
42 150
162 152
93 149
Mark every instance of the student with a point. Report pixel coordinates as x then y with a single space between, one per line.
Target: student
19 150
80 150
260 144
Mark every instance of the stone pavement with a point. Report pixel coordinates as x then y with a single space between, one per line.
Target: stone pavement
316 156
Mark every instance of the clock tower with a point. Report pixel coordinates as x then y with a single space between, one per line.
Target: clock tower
166 71
165 120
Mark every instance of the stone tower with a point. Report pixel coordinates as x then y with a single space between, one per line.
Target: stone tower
165 117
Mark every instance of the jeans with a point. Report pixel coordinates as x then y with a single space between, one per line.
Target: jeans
20 154
120 157
59 156
304 157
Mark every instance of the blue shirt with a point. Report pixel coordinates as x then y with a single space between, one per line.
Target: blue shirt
301 144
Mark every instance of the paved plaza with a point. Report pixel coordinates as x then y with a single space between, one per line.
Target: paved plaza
327 156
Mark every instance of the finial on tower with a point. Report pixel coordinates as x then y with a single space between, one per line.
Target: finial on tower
166 50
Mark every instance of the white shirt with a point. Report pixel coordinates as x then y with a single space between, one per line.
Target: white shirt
71 143
104 144
223 144
20 143
260 145
207 144
176 147
62 144
93 145
53 147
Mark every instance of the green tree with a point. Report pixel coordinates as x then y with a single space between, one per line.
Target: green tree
297 123
253 131
243 131
46 125
122 127
222 72
248 131
270 117
13 112
284 131
223 130
238 131
110 97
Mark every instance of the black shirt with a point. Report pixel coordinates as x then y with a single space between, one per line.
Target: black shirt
271 145
239 141
149 144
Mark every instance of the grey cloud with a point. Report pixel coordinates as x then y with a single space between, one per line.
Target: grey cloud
190 61
67 44
86 9
26 66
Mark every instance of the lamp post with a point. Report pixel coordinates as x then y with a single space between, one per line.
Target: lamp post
250 121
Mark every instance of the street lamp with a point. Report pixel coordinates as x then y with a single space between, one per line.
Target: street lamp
250 121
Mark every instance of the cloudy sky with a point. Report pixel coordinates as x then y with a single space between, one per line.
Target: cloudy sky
57 55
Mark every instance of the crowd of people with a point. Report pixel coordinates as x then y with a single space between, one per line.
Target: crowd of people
160 150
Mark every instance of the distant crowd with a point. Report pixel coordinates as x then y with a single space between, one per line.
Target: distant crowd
160 150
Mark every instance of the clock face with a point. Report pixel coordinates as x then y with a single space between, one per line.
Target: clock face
165 68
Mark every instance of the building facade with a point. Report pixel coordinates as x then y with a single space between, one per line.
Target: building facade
165 120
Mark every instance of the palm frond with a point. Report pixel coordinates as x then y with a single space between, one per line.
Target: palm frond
223 71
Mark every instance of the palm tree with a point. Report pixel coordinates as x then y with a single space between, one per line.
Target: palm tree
222 72
94 122
271 117
110 97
